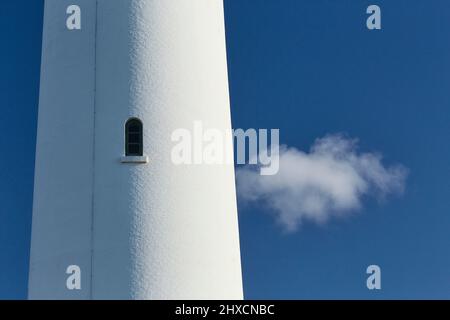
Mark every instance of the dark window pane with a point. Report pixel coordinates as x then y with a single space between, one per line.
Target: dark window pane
134 128
134 137
134 149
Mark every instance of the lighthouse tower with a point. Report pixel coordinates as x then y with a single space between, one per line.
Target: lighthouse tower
113 216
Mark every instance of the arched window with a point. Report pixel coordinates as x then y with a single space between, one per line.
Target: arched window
133 138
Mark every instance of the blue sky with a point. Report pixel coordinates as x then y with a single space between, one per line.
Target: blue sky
309 68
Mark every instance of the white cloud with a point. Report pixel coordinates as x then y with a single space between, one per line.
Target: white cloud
331 180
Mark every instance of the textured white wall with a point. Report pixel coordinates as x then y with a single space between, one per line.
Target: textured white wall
160 231
64 166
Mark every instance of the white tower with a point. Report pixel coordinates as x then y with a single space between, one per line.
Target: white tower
138 227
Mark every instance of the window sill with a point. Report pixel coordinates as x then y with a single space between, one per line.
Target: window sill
134 159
